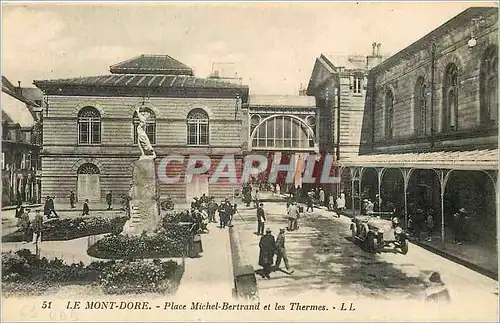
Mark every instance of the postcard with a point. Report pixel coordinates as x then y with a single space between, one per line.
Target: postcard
249 161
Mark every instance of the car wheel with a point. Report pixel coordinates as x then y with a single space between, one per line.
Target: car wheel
404 246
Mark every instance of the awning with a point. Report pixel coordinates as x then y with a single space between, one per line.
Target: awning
486 159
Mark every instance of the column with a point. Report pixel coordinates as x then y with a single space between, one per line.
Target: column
406 178
444 175
380 174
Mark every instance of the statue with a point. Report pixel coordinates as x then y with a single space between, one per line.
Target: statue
142 137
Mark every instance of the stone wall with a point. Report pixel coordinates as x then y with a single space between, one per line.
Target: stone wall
401 72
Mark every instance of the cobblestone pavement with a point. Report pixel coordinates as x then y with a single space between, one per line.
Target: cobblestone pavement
325 259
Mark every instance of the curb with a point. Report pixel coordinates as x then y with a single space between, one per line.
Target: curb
13 207
458 260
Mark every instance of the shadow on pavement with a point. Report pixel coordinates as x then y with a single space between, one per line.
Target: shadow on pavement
353 269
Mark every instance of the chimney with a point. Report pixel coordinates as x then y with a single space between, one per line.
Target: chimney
375 58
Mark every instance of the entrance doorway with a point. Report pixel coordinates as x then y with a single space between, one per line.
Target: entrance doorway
89 185
197 187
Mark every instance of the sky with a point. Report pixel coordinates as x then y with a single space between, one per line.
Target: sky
273 45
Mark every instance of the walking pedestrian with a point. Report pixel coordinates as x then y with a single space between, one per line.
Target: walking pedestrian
267 246
72 199
212 208
109 200
38 225
261 219
310 203
281 251
85 209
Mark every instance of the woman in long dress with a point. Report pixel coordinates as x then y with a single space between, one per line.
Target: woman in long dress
142 137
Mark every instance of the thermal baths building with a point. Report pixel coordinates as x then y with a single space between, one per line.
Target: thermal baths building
89 127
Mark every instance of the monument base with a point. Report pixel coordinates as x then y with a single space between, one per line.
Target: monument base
144 203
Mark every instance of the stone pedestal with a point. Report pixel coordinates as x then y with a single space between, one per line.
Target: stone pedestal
144 203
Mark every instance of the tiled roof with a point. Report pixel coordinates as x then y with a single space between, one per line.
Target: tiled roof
151 64
350 62
282 101
17 110
486 159
140 81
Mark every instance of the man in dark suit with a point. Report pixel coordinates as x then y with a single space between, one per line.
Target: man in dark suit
86 209
109 200
267 247
261 219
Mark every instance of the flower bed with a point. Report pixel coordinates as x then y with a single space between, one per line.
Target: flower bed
169 242
68 229
23 273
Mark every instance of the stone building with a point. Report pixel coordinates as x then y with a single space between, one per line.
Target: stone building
20 146
281 126
432 114
339 84
89 127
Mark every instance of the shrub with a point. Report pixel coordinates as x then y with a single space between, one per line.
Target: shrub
22 272
67 229
175 217
165 243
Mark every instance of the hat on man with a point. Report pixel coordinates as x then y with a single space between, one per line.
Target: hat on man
282 230
462 210
268 230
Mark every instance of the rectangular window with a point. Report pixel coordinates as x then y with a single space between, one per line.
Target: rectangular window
96 132
203 134
83 133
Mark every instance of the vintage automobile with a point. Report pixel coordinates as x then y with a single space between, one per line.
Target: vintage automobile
379 230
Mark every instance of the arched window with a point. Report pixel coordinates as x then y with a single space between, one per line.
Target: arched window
450 99
89 126
197 128
150 125
88 168
283 132
489 86
420 112
389 114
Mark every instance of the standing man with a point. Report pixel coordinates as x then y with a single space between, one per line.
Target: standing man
261 219
38 225
281 251
222 214
109 200
267 247
86 210
293 215
72 199
321 197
